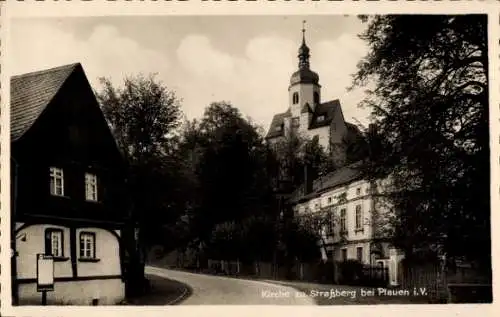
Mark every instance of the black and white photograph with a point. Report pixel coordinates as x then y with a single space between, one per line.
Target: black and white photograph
272 159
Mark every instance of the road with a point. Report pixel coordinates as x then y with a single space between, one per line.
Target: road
218 290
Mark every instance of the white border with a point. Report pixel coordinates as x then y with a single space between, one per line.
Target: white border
197 7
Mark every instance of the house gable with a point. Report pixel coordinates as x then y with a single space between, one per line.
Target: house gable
71 133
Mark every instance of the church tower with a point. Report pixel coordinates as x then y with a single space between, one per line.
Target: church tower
304 90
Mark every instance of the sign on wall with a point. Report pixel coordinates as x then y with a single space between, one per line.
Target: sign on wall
44 273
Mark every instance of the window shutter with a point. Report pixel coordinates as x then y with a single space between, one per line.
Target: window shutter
48 244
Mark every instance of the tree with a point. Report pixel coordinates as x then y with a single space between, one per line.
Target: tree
430 104
229 161
143 115
294 152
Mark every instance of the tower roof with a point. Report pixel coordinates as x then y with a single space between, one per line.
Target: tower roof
304 75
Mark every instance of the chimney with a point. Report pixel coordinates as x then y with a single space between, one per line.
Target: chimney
308 180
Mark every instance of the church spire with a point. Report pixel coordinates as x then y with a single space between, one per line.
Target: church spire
304 50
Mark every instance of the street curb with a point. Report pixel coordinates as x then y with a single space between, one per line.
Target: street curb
180 298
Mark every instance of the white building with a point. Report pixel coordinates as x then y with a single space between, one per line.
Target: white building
350 216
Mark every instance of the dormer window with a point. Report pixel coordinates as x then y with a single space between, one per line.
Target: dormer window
90 187
279 128
295 98
321 118
56 181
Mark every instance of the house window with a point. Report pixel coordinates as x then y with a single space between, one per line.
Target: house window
295 122
344 255
329 200
278 128
329 228
359 254
358 191
87 245
295 98
359 218
321 118
56 181
316 97
54 242
343 220
90 187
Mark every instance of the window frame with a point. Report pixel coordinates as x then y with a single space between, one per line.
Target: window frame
359 254
56 174
49 246
343 220
84 257
316 97
359 221
91 180
295 98
343 254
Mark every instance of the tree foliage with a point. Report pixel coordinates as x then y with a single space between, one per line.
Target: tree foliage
228 159
430 104
144 116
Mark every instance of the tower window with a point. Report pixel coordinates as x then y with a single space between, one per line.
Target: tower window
316 97
295 98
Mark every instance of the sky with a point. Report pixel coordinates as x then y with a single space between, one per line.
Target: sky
246 60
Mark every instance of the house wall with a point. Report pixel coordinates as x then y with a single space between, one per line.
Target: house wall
108 291
71 286
356 193
323 134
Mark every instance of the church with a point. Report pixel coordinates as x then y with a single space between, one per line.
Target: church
307 115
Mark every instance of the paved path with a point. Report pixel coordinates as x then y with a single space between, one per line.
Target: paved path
218 290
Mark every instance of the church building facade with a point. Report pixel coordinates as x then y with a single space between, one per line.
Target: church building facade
307 115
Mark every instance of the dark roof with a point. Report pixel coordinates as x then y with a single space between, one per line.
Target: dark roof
337 178
30 93
327 110
304 76
277 125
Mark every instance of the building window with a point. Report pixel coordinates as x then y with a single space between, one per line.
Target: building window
329 200
87 245
56 181
316 97
344 255
358 191
278 128
295 122
343 221
321 118
90 187
295 98
54 242
359 218
329 228
359 253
